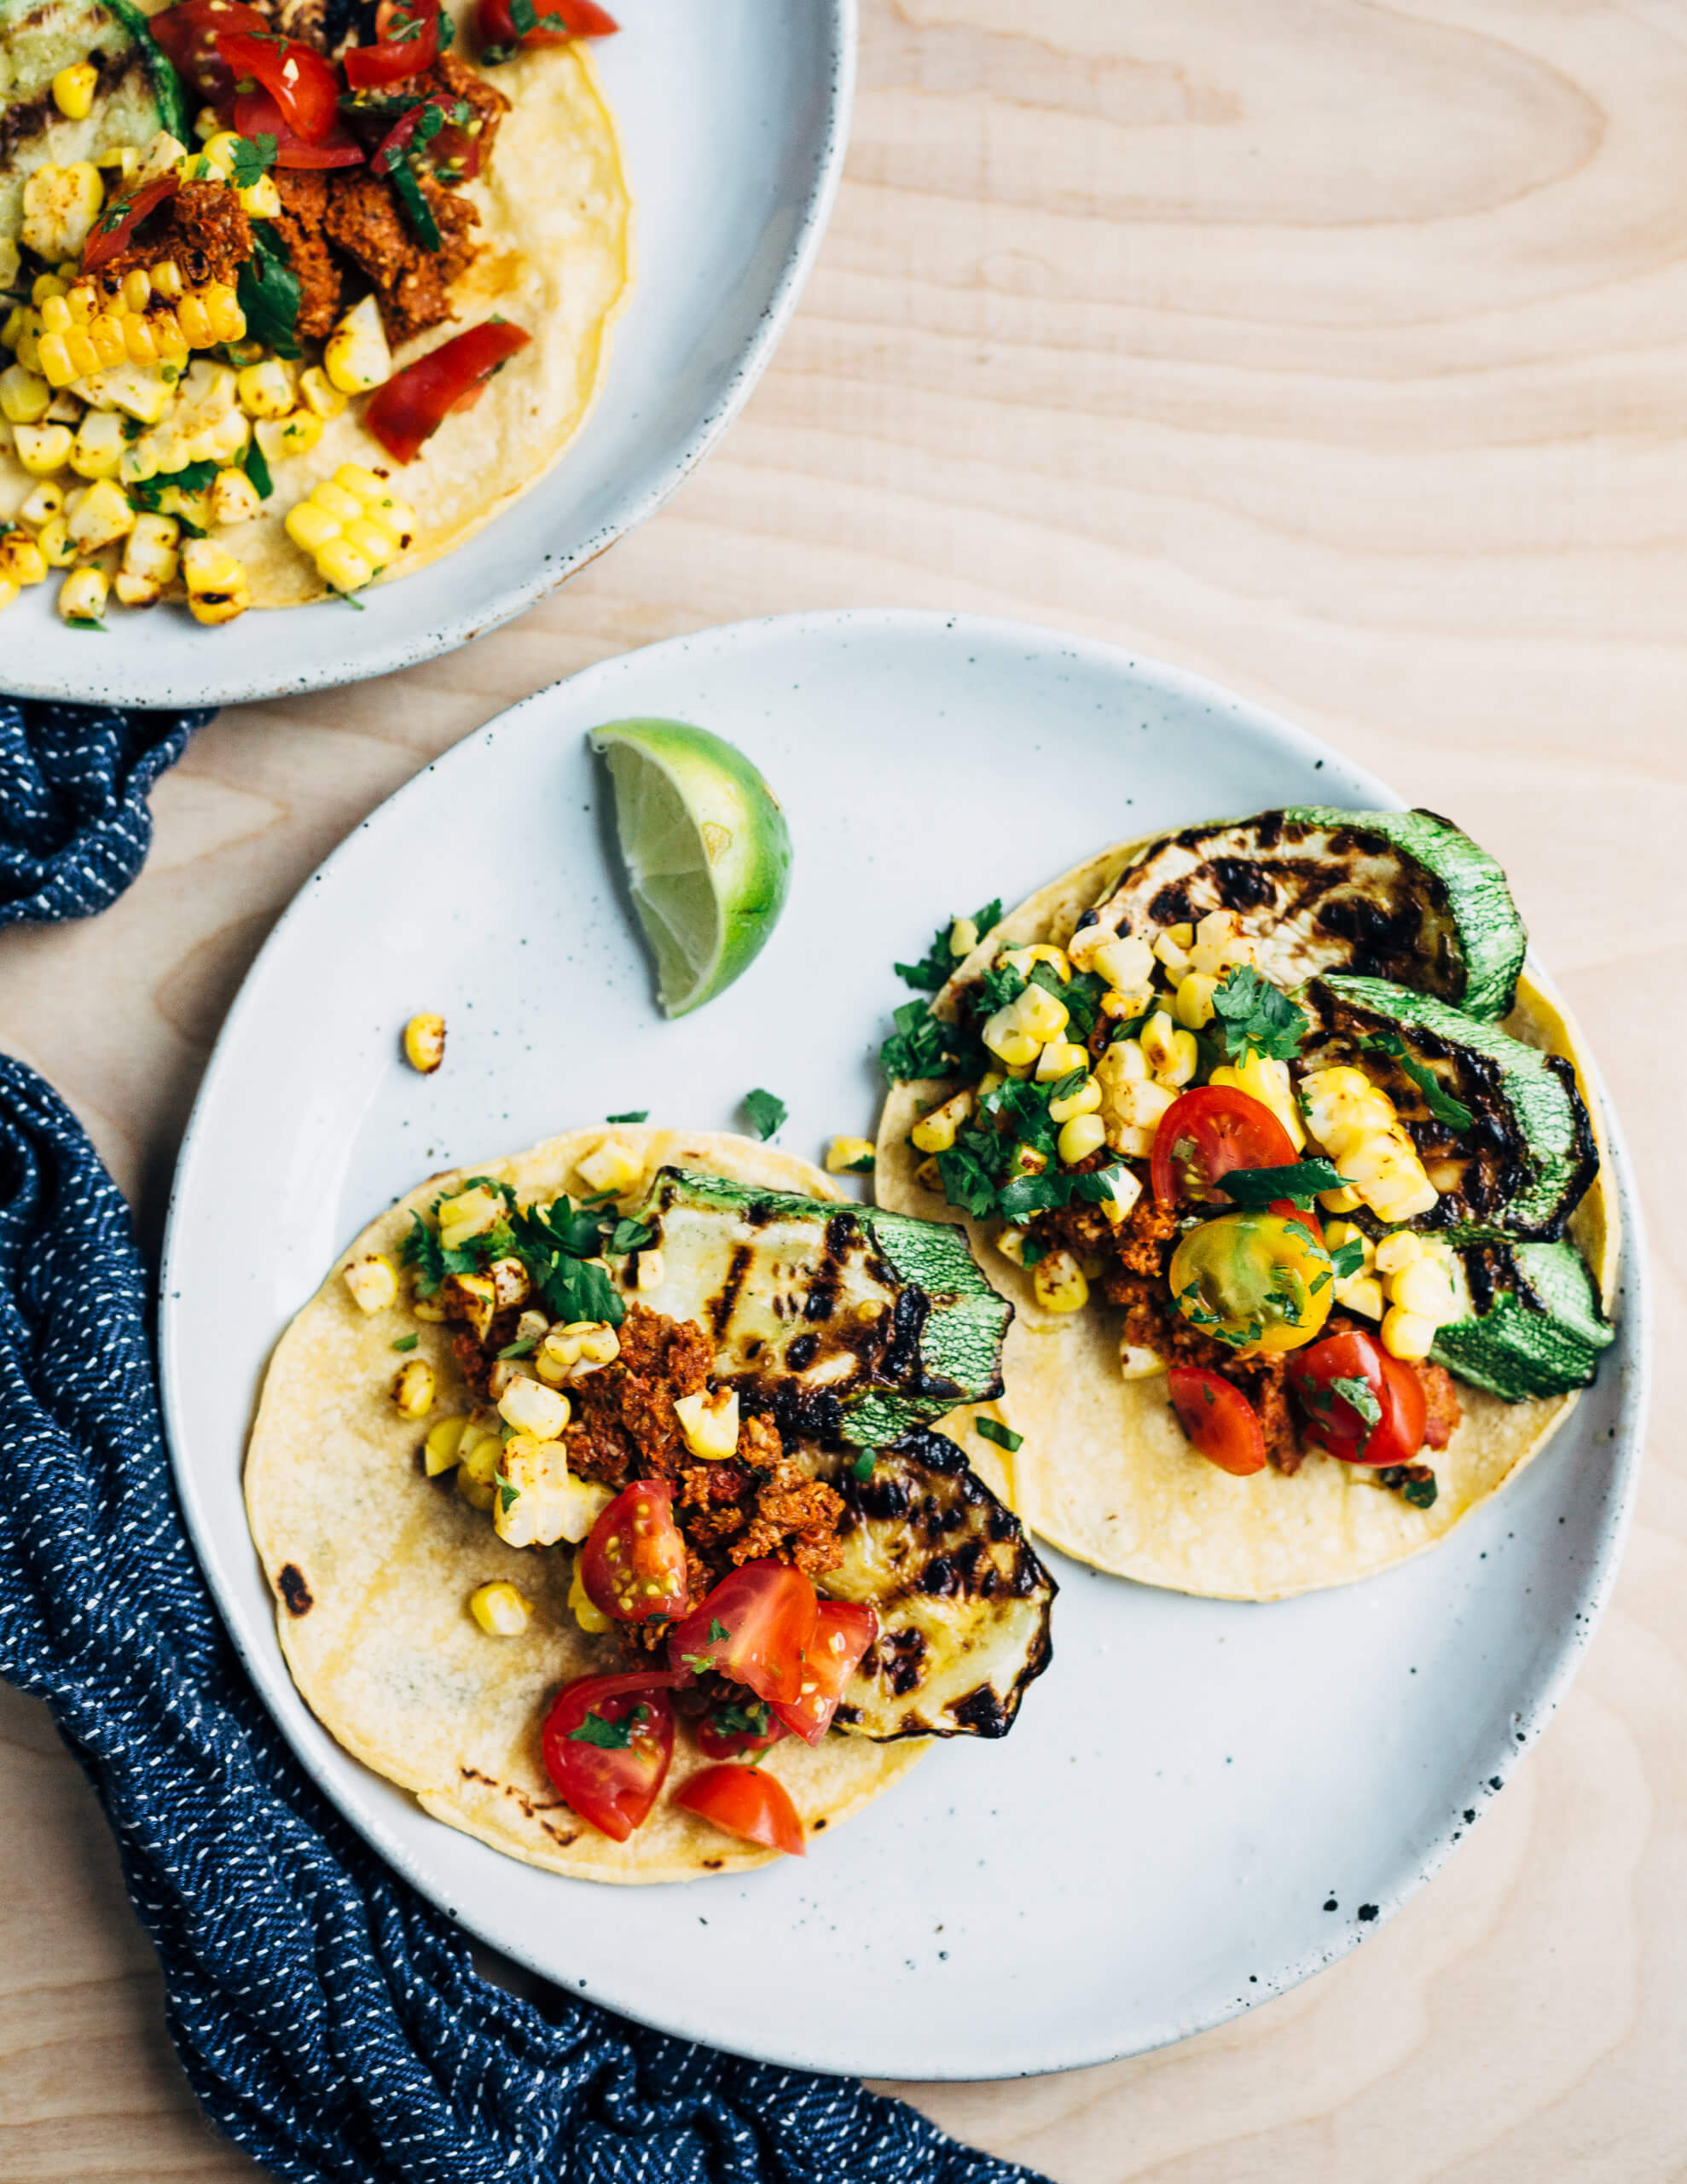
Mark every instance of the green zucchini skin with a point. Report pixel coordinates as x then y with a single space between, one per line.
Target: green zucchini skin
1527 1161
1403 896
1532 1326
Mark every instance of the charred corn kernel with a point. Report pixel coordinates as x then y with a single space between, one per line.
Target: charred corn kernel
217 588
935 1131
1083 1099
1126 963
709 1423
584 1609
234 497
1406 1334
339 563
425 1042
532 1408
164 152
356 357
651 1272
1264 1078
136 289
150 560
60 208
613 1166
373 1281
319 393
1123 1062
97 450
46 502
55 541
1060 1058
99 516
1059 1283
83 594
963 937
73 90
296 434
1172 956
167 280
42 449
111 350
1025 960
850 1156
25 396
1132 1108
22 559
500 1609
261 199
413 1388
1158 1036
64 408
1026 1160
1194 1002
1138 1362
510 1284
1011 1243
469 1297
532 1327
468 1213
1084 1134
1123 1190
429 1308
266 389
929 1175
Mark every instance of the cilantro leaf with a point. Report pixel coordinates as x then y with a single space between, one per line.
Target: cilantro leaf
407 1342
862 1466
922 1045
718 1632
258 469
1414 1483
937 966
1257 1014
1003 1436
998 985
629 1237
633 1115
254 156
1357 1392
268 292
508 1496
422 1250
1439 1101
1347 1260
766 1112
1298 1181
607 1736
520 1349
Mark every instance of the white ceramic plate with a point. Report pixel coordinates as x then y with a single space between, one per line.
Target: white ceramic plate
1202 1803
733 117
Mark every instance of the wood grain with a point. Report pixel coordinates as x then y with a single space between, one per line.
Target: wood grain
1339 352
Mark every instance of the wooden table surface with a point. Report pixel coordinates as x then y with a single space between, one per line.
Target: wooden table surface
1339 351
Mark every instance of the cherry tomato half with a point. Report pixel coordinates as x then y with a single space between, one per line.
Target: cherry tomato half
407 42
756 1627
187 33
257 115
559 22
295 75
1341 1427
608 1743
1207 1132
633 1566
746 1802
1219 1420
741 1725
842 1633
1259 1282
114 226
412 406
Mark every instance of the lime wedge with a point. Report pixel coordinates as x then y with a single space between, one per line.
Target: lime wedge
706 849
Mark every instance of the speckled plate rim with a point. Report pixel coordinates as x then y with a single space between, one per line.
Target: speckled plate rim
1534 1707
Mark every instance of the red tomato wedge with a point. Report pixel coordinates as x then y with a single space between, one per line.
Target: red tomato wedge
296 76
412 406
608 1743
1219 1420
842 1633
188 34
114 226
558 23
745 1725
257 115
756 1627
634 1563
407 42
1342 1427
1207 1132
746 1802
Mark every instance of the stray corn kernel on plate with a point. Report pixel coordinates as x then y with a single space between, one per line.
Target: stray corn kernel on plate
1223 1795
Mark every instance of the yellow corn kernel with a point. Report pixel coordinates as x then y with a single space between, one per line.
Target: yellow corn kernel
498 1608
138 344
54 311
1159 1048
309 526
1194 1002
1017 1049
372 540
1174 957
79 302
54 541
850 1156
1060 1058
22 559
105 338
373 1282
1425 1288
424 1043
1084 1134
100 516
1123 1190
1407 1334
137 287
194 323
42 449
217 586
81 595
46 502
60 208
26 342
222 307
1011 1243
1266 1079
613 1166
73 90
1123 1062
266 389
98 449
585 1610
1137 1362
468 1214
12 325
1024 960
167 280
963 937
338 563
413 1388
935 1132
222 150
532 1408
150 560
1363 1294
442 1448
25 396
1083 1099
296 434
1127 963
261 199
1043 1014
709 1423
319 393
356 357
234 497
1059 1284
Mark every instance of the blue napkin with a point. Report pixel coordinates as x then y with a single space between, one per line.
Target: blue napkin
328 2019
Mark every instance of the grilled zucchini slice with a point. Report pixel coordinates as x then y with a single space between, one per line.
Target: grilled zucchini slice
1523 1167
1397 895
1531 1325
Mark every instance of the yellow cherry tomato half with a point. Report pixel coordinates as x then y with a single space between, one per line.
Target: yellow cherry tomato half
1262 1282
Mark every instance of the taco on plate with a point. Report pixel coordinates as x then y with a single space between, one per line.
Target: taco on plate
597 1490
294 296
1294 1178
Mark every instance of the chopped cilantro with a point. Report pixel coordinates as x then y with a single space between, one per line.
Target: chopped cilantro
423 1250
258 469
718 1632
520 1349
629 1237
407 1342
1003 1436
1439 1101
191 478
766 1112
1414 1483
1357 1392
747 1717
1347 1260
607 1736
409 191
937 966
1298 1181
922 1045
254 156
632 1115
998 985
1257 1014
862 1466
508 1496
268 291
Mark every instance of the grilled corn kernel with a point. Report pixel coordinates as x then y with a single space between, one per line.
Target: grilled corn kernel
296 434
319 393
1124 1189
1393 1254
338 563
1011 1243
81 595
97 450
532 1408
234 497
1123 1062
266 389
1172 955
1127 963
1060 1058
217 589
469 1213
613 1166
48 295
1424 1288
261 199
1059 1284
356 357
46 502
584 1609
498 1608
847 1156
1407 1334
373 1281
539 1500
1364 1294
1194 1002
651 1271
709 1423
1264 1078
1084 1134
60 208
1025 960
1132 1109
73 90
963 937
469 1297
25 396
54 540
22 561
1137 1362
149 561
1017 1049
1083 1099
935 1131
425 1042
413 1388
